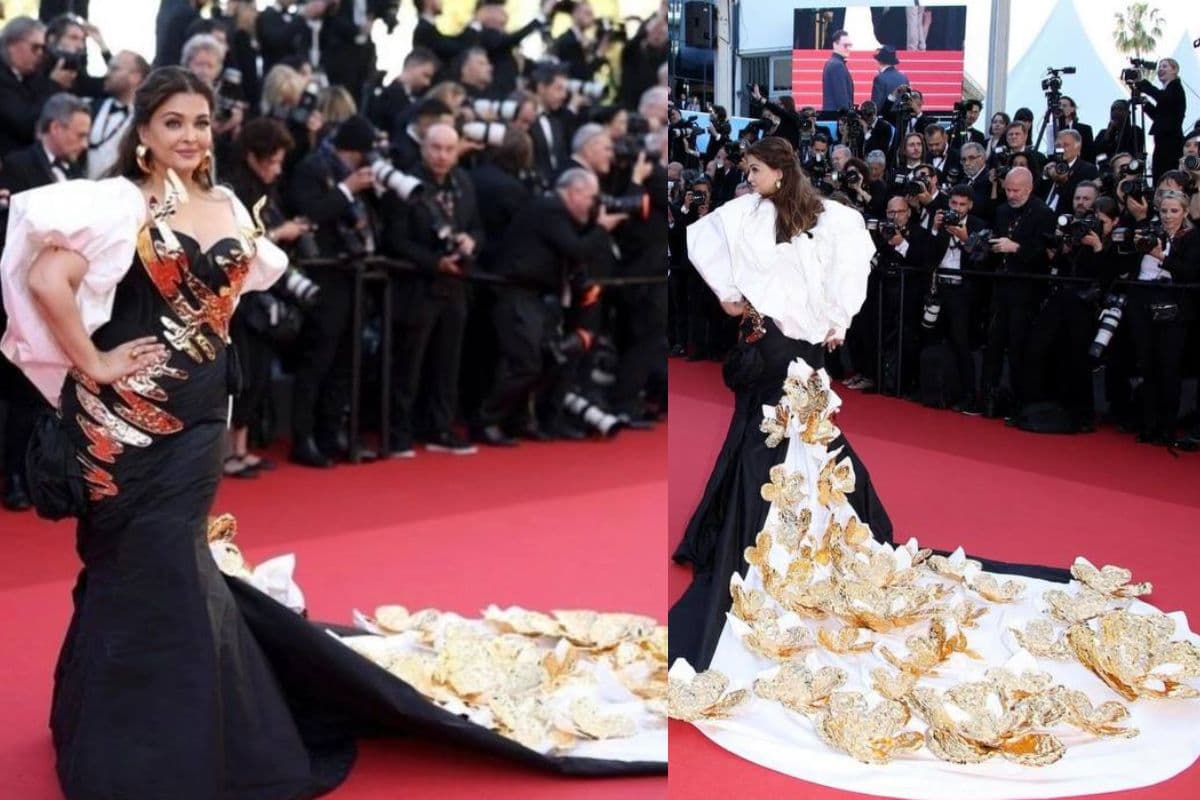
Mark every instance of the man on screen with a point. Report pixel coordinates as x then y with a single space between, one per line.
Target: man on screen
889 79
837 87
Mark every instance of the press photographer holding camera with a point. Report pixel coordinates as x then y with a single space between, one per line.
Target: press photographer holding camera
1059 364
66 55
1021 230
952 229
546 254
1159 317
1066 171
440 232
1167 111
330 188
265 322
24 88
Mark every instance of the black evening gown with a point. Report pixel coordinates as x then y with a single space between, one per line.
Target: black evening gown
176 682
732 510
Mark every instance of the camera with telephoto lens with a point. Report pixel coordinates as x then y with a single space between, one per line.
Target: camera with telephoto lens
905 99
953 177
388 178
931 311
593 90
850 179
914 187
594 417
1191 163
807 124
485 133
978 245
1110 318
229 93
297 287
686 128
816 166
505 110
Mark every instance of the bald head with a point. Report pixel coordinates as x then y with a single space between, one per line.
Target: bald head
1018 185
439 149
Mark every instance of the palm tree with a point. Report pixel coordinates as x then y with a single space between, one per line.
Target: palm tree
1138 29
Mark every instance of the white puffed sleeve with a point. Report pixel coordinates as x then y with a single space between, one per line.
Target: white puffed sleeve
710 249
269 261
844 278
99 220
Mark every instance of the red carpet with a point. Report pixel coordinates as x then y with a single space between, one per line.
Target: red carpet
948 480
936 73
544 526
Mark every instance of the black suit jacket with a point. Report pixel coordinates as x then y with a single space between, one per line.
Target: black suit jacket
499 46
280 34
411 226
505 197
940 241
981 188
1029 226
1088 149
20 105
1064 196
560 147
170 30
1168 108
880 138
570 51
919 252
27 168
313 193
1128 139
545 247
446 48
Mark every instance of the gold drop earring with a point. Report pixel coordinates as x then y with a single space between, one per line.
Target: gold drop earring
140 156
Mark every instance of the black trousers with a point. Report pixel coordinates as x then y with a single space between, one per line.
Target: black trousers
431 318
322 378
22 402
254 355
957 302
1159 349
862 339
1168 149
677 309
1058 364
524 321
641 340
901 341
1013 307
707 330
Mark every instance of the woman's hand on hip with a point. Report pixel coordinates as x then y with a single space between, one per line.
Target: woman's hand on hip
125 359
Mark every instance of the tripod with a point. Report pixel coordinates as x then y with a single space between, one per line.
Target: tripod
1052 118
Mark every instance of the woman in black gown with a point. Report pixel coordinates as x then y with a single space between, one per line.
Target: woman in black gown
175 682
732 510
795 268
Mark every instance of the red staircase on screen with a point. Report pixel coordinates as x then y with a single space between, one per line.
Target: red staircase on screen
936 73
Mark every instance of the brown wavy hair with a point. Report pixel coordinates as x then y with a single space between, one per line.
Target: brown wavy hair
797 204
160 85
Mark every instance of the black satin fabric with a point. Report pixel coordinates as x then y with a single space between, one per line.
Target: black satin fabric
177 683
732 511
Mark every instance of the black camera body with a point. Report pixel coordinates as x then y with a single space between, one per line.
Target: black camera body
1059 164
1191 163
951 218
1148 234
888 229
1074 228
978 245
70 61
1135 188
229 92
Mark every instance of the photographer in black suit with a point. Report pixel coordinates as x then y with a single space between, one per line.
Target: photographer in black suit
575 47
1068 120
439 231
1167 111
956 291
23 87
1063 174
62 138
390 103
492 21
551 137
327 189
546 254
1023 228
427 35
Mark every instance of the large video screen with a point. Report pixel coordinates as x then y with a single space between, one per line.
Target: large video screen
927 42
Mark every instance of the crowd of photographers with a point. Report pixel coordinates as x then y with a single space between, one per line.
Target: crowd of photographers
515 207
1043 246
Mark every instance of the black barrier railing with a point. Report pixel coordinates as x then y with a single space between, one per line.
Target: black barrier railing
928 273
378 271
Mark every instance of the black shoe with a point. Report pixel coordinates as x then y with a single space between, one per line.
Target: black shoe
306 453
1184 445
567 431
493 436
534 433
16 495
401 447
678 351
450 442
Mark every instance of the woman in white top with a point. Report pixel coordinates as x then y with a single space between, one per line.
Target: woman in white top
794 267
